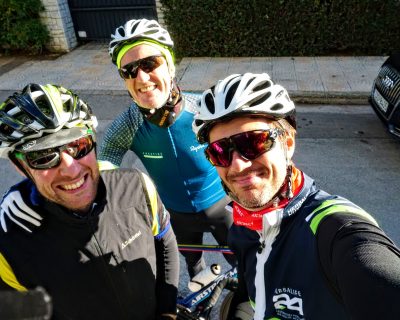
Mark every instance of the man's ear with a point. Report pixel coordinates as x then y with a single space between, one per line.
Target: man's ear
291 143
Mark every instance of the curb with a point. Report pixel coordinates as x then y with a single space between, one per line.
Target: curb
340 98
328 98
306 97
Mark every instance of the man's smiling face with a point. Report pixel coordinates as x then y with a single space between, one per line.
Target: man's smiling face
253 182
149 90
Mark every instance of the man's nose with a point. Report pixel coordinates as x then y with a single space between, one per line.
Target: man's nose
239 163
142 76
69 166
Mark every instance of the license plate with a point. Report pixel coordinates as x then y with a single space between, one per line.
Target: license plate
380 101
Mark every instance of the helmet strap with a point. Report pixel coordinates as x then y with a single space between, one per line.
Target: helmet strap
165 116
20 167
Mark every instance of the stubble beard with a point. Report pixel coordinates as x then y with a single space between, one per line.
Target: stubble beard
253 199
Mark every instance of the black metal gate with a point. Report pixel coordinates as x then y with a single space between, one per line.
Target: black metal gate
97 19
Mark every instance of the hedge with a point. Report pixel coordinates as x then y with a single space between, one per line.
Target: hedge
283 27
20 26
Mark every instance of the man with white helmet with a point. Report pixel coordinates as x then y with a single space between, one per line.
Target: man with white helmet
302 253
157 128
104 248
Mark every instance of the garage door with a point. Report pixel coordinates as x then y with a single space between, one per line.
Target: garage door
97 19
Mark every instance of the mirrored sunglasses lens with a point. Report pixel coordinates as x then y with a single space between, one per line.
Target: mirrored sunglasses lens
50 158
147 64
151 63
252 144
129 72
43 159
219 153
80 148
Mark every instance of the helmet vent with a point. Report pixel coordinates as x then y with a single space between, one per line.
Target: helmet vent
121 31
209 100
231 93
25 119
276 107
262 86
198 122
5 129
43 106
8 107
68 106
249 82
151 32
260 100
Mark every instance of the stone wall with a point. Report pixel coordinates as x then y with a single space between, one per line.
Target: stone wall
57 18
160 14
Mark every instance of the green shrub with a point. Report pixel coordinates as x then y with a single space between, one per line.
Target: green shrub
283 27
20 26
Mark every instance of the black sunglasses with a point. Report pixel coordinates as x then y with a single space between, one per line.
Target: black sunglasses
51 158
148 64
250 145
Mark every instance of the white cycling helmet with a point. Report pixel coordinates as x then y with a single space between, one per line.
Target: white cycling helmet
240 94
134 30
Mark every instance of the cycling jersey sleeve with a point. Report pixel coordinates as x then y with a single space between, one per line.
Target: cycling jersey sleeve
118 138
362 266
166 251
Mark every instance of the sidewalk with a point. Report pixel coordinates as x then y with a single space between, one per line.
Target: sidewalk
88 70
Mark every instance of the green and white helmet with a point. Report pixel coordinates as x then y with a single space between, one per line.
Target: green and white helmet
134 30
238 94
41 110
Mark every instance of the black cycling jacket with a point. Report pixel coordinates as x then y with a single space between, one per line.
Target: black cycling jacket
119 262
325 258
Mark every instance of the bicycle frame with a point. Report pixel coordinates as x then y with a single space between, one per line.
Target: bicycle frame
198 305
195 298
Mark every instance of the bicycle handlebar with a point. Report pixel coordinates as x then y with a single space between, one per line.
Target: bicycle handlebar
227 283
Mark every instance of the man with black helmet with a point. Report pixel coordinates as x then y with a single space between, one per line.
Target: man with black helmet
302 253
104 248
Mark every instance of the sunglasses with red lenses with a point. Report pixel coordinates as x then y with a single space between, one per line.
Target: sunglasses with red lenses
148 64
51 158
250 145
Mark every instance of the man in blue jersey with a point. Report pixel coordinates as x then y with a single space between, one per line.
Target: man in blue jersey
157 128
302 253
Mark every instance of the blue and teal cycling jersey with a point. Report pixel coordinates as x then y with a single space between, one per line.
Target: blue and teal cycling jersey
174 159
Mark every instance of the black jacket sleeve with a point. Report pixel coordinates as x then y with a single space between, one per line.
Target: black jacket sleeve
167 272
362 266
240 294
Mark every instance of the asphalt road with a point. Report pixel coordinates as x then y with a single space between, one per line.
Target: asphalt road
344 148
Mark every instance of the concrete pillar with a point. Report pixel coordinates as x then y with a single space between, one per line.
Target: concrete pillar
57 18
160 14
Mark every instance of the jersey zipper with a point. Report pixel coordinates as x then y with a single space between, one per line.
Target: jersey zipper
271 223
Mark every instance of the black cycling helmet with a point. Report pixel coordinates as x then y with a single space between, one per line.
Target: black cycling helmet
39 111
239 94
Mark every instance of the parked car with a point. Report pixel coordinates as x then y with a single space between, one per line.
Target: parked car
385 94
